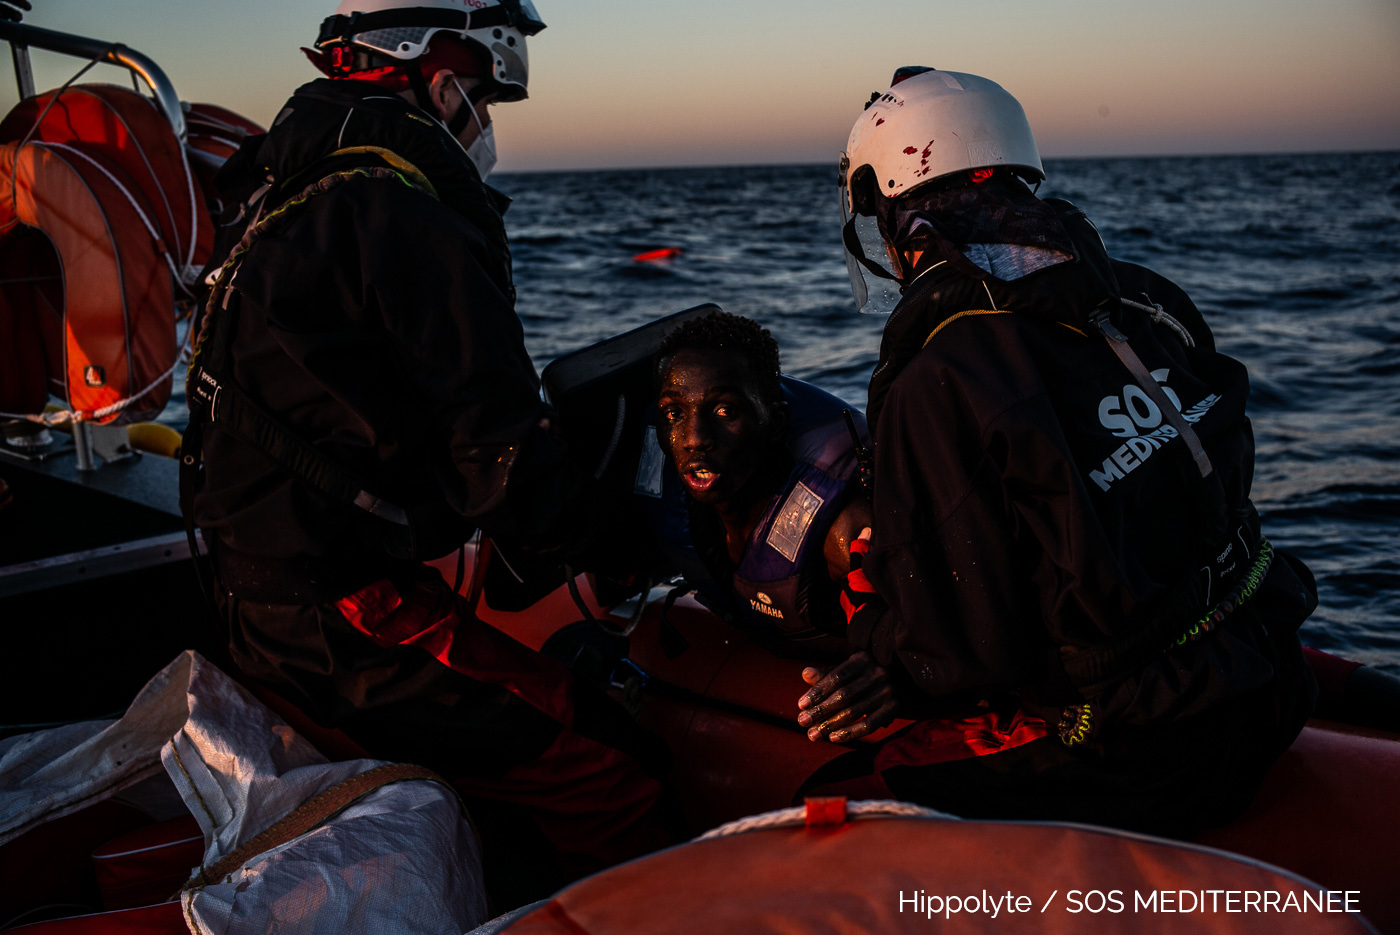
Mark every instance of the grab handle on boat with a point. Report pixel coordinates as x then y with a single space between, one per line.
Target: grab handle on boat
21 35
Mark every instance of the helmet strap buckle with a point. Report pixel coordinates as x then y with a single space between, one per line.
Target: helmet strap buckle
342 59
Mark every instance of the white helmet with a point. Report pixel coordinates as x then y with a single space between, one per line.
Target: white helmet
402 29
929 125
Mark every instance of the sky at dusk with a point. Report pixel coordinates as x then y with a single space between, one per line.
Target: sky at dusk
626 83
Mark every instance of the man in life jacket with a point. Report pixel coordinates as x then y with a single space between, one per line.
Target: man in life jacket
772 502
1062 526
365 400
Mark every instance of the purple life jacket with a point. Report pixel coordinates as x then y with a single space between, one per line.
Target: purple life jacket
780 585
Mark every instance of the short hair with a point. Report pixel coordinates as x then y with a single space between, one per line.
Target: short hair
734 333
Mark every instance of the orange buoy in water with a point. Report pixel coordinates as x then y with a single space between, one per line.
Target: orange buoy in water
665 253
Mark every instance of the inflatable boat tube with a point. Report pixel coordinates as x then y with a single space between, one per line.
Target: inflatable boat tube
905 870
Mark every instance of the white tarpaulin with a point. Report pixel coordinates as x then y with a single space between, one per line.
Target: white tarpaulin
401 859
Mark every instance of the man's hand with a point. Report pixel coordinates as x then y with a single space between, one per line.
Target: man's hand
10 9
848 702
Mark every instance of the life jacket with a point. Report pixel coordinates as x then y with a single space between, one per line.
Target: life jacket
783 565
102 225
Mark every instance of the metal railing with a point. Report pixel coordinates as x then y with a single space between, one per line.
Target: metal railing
23 37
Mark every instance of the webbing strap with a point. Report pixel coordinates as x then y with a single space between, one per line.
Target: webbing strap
225 404
311 814
230 408
395 161
1119 342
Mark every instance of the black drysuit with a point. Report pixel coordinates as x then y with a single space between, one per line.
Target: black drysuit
1044 540
376 322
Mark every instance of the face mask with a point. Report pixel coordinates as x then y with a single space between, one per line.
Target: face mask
482 151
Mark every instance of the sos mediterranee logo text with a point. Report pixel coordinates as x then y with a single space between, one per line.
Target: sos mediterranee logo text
1131 414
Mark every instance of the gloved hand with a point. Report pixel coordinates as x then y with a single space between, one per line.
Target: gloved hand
848 702
858 597
10 9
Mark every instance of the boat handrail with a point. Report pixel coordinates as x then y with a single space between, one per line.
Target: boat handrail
22 36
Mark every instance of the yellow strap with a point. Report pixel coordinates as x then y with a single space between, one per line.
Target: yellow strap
972 311
986 311
394 160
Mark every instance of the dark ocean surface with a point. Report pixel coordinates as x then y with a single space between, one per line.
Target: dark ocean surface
1295 261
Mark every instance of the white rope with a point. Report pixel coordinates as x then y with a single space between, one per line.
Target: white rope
220 139
65 416
190 271
210 119
188 260
150 170
119 405
1159 315
135 205
797 817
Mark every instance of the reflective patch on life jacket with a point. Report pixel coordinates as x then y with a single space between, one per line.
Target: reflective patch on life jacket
793 520
650 466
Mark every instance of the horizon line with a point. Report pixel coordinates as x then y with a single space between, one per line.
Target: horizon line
1074 158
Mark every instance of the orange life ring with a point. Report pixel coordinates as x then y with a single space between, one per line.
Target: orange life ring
114 321
134 142
99 216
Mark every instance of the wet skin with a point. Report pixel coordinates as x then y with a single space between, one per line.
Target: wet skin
724 437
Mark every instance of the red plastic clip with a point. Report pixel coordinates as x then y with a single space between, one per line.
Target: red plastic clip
826 810
343 59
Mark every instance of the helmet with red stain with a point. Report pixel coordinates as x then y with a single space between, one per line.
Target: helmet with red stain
928 126
394 32
931 124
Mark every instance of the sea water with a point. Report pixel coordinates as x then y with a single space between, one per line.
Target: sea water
1294 260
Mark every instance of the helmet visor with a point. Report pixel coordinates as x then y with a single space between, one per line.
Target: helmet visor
874 294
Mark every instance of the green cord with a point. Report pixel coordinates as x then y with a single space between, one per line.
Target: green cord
1241 593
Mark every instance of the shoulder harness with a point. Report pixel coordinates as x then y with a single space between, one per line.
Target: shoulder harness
215 399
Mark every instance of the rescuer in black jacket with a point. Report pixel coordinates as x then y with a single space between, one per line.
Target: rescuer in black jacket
366 400
1065 565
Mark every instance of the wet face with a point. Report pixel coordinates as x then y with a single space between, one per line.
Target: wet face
715 423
